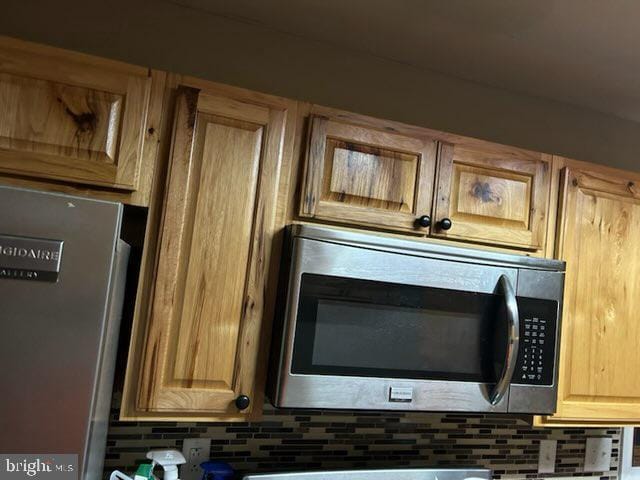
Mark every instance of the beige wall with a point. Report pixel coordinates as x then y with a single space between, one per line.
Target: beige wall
167 36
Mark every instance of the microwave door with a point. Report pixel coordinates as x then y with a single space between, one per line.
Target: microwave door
371 344
374 330
501 387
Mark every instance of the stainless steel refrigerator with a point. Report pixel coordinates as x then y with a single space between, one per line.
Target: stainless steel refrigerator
62 271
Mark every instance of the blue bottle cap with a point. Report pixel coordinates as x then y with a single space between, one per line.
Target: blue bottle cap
216 470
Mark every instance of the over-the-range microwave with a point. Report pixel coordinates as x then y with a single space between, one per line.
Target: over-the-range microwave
379 323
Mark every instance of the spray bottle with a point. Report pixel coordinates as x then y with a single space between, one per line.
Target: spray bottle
167 459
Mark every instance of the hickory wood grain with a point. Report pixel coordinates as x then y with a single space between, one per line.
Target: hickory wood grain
493 194
71 117
595 396
371 177
373 173
203 337
365 176
148 266
598 229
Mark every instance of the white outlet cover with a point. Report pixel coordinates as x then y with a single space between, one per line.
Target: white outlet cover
547 458
195 451
597 456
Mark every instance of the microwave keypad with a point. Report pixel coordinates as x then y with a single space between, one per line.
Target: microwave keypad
536 355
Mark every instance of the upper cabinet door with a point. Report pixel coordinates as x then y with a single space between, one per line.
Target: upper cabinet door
205 328
71 117
368 175
598 238
492 194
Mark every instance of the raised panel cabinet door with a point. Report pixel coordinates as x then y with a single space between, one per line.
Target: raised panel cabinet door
204 329
598 238
363 176
71 117
492 194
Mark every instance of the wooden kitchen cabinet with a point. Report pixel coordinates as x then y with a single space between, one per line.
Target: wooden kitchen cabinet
84 125
492 194
368 174
599 228
204 344
77 119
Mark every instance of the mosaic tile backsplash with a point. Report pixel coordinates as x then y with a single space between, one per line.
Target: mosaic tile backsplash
305 440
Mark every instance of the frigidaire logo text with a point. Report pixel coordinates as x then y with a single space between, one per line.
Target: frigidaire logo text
37 253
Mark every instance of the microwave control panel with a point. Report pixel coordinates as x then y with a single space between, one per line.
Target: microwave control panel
537 352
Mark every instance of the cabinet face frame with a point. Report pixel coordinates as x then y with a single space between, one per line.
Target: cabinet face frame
72 117
577 184
476 181
398 191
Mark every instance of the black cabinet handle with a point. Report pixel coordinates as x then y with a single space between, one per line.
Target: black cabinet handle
424 221
445 224
242 402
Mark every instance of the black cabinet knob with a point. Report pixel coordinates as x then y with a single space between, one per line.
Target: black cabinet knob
242 402
424 221
445 224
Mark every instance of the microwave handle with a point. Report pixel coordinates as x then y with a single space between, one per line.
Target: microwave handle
513 340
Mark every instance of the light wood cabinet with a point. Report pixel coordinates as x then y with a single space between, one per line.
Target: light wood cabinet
369 172
75 123
205 340
74 118
492 194
363 175
599 228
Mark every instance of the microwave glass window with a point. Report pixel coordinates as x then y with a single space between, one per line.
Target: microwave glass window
365 328
401 337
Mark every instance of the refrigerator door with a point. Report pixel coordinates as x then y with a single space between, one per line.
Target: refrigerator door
59 318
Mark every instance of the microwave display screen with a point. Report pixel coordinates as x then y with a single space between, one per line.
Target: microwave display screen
361 327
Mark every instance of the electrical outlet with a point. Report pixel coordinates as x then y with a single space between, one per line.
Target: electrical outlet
547 458
597 456
195 451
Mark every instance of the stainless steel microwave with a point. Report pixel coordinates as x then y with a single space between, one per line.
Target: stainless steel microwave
380 323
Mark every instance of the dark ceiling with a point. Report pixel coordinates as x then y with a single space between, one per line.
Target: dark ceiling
581 52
